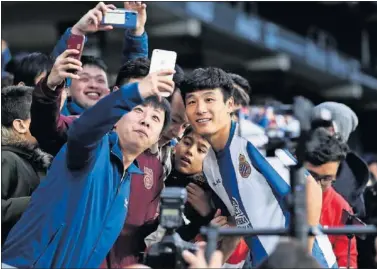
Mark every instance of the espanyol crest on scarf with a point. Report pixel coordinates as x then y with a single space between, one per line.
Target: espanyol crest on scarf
244 167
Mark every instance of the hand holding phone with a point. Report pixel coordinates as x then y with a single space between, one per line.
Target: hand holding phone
91 21
62 65
75 42
163 60
120 18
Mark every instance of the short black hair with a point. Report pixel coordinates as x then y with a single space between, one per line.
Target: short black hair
242 90
28 67
207 78
179 76
135 68
322 147
15 104
164 105
139 68
94 61
188 131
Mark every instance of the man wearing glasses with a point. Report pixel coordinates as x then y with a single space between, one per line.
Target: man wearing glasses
324 152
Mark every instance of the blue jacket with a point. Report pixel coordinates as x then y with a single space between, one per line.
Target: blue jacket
78 210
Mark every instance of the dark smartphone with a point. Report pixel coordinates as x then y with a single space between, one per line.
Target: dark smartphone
76 42
349 219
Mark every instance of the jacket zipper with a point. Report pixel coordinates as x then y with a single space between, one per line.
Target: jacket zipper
121 181
107 215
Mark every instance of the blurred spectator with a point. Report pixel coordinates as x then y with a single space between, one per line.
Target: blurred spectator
22 162
29 69
92 175
249 130
323 155
241 92
132 71
353 174
371 160
5 57
366 250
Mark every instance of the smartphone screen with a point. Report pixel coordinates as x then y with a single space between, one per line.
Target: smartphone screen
163 59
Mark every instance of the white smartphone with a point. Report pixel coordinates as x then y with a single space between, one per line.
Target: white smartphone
163 59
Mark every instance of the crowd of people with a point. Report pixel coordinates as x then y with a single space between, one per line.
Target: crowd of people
84 163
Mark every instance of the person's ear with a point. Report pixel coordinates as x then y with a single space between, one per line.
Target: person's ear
230 104
20 126
21 84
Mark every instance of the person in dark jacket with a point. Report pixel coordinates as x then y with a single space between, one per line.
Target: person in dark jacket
78 211
353 174
23 163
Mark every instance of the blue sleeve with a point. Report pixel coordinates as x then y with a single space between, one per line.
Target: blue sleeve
61 46
85 133
134 46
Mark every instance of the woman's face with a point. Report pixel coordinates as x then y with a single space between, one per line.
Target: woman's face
190 153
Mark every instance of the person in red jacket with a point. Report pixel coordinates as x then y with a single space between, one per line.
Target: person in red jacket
323 154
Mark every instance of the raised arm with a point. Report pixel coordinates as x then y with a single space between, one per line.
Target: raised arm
135 44
89 23
48 126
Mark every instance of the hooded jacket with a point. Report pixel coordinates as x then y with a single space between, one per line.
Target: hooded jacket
22 166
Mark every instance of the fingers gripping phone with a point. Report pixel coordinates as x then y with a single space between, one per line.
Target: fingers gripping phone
76 42
163 59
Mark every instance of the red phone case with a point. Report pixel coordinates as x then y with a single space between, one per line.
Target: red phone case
76 42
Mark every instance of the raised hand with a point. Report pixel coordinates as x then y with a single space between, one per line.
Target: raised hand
156 83
220 221
198 199
91 21
141 10
59 71
198 260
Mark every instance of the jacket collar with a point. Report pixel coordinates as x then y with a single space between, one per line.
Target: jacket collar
71 108
117 152
28 151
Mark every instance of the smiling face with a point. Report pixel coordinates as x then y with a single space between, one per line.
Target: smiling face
190 153
207 111
140 128
91 87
